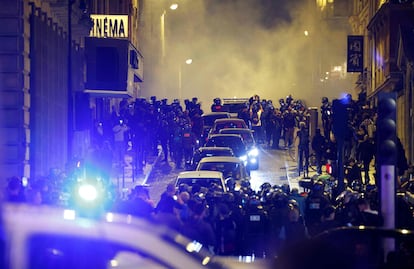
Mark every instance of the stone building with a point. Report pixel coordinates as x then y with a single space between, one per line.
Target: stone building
47 101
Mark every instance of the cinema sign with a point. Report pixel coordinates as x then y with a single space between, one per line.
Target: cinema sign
109 26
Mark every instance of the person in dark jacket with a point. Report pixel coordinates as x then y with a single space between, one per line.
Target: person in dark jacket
367 216
294 230
138 204
328 219
197 228
277 121
353 173
289 125
15 191
167 209
303 148
367 148
315 202
318 146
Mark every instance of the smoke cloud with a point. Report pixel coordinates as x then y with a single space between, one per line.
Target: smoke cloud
245 47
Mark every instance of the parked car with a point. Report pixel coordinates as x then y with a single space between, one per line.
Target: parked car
250 142
202 178
227 123
208 122
233 141
231 167
209 152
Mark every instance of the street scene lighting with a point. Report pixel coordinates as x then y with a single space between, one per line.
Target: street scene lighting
180 75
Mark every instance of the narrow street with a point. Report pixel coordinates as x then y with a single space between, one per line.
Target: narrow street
276 168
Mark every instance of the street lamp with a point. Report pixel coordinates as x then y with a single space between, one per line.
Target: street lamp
162 39
173 6
180 75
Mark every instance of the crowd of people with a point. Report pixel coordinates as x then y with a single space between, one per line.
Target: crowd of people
141 126
260 222
239 221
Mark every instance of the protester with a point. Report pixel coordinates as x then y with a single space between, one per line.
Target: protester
319 147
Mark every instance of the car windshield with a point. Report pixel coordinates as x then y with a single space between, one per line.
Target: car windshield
203 182
233 142
54 251
247 136
212 153
209 119
227 168
230 124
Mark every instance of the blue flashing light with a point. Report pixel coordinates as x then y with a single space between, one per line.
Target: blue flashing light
69 214
88 192
88 198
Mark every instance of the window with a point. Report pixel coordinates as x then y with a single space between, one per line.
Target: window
56 251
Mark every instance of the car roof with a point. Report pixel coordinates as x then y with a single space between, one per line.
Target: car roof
214 149
202 177
246 134
216 114
235 130
111 227
225 135
228 159
229 120
200 174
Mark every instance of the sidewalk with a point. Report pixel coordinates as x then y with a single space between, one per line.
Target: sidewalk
126 178
294 180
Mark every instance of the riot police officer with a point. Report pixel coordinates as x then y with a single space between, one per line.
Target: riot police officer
326 111
216 106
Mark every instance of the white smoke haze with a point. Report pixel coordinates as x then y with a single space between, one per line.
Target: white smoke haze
239 51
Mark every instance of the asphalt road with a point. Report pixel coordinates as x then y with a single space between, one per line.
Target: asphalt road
276 168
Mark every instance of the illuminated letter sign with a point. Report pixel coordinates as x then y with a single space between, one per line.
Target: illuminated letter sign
109 26
355 61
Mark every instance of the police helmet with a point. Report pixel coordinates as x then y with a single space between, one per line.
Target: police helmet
318 186
265 186
293 203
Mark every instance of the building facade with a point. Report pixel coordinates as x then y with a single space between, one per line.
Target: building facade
35 105
47 113
387 57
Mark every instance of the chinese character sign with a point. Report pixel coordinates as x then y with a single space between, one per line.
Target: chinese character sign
355 61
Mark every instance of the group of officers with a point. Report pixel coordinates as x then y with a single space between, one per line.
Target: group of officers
141 126
249 222
178 128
